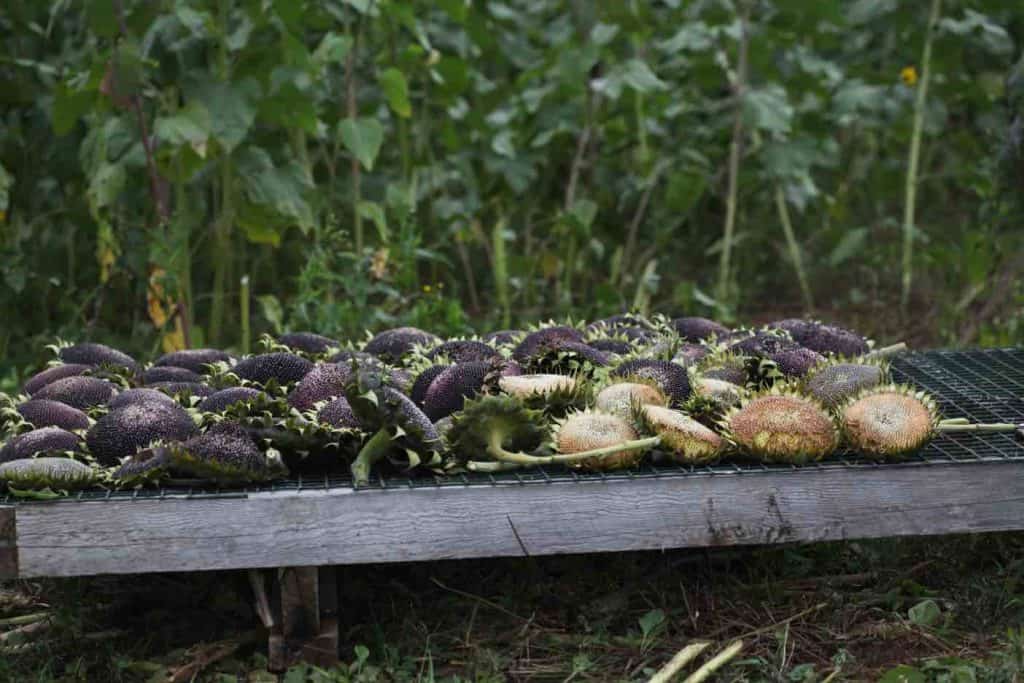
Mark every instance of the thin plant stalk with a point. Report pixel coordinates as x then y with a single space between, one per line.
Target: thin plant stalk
495 449
225 220
353 114
886 351
500 258
991 427
689 653
910 201
715 663
243 293
735 151
794 248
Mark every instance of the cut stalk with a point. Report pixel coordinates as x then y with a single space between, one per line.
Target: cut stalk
735 151
956 421
794 248
372 452
978 427
501 271
886 351
910 200
498 453
244 313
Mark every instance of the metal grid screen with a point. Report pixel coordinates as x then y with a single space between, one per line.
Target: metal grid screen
982 385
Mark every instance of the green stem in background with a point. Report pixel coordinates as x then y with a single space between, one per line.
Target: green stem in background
225 219
565 285
243 304
641 130
642 298
794 248
724 295
353 113
501 271
222 250
910 201
372 452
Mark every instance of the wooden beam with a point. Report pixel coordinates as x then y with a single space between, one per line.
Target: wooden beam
341 526
8 543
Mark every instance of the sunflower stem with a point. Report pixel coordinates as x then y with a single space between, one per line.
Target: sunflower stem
990 427
886 351
482 466
955 421
373 451
498 453
910 191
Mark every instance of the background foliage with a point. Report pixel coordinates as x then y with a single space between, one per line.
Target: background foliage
353 164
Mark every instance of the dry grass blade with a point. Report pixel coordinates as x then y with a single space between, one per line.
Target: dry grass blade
204 656
715 663
681 659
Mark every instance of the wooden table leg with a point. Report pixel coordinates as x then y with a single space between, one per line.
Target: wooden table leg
307 629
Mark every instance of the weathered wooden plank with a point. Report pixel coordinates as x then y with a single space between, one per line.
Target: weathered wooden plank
8 543
316 528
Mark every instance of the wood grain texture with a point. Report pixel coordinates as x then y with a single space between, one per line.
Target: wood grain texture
314 528
8 543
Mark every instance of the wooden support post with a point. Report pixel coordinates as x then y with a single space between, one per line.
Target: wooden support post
8 544
308 626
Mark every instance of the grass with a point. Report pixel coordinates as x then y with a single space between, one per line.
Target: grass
946 608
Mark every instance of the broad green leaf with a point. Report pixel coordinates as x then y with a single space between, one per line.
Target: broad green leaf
651 622
333 49
361 6
272 310
856 97
602 33
190 126
289 106
583 212
374 212
502 144
105 185
239 38
692 37
396 90
69 105
102 17
637 75
863 11
362 137
685 188
277 190
851 244
992 36
767 109
925 613
198 23
903 674
232 107
456 9
452 74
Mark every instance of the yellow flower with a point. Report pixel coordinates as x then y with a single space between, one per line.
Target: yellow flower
426 289
908 75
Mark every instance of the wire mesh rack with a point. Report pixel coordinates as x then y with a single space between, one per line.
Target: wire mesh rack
984 385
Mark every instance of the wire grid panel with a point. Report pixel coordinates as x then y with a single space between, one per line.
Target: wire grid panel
985 385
